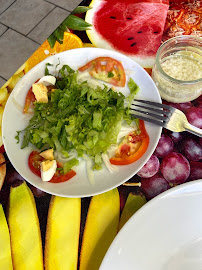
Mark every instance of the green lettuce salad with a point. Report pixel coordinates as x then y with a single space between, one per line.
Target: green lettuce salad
78 117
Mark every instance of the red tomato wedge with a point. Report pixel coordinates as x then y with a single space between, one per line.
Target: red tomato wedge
106 69
59 178
132 147
30 98
34 163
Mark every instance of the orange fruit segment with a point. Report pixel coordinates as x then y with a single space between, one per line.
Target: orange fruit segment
70 41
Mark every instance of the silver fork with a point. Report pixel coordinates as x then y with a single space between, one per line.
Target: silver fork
163 115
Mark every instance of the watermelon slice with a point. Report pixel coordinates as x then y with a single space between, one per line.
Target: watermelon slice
132 27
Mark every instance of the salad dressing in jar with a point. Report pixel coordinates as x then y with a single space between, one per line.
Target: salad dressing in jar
177 72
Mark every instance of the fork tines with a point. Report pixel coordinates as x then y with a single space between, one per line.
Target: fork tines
150 111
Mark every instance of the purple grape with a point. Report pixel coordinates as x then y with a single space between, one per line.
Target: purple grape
194 116
181 106
150 168
165 146
191 149
176 136
154 185
195 170
198 102
200 141
185 106
175 168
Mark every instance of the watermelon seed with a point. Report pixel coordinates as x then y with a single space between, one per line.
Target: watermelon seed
133 44
112 17
130 38
155 32
129 18
139 32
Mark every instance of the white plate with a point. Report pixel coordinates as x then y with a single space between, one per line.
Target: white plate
78 186
165 234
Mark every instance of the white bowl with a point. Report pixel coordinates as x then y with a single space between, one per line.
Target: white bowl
79 186
165 234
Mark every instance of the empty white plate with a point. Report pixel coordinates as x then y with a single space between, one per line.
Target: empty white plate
165 234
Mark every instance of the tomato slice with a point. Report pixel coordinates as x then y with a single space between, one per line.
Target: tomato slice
138 136
106 69
30 98
132 147
58 178
34 163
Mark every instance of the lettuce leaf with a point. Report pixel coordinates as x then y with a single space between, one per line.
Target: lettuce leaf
78 117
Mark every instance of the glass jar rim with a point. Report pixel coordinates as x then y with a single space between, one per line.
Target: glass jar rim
158 65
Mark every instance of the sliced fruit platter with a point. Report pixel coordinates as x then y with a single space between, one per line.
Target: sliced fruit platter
70 232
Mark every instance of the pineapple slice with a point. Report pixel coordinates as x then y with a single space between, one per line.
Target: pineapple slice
62 234
24 228
100 229
5 250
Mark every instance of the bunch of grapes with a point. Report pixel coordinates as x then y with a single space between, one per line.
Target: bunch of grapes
178 156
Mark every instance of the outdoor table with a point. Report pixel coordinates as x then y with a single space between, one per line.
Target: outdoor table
89 224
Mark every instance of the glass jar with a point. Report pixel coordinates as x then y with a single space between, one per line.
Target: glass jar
177 71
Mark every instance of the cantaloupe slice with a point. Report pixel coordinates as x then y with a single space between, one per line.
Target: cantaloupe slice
5 248
133 203
100 229
24 228
62 234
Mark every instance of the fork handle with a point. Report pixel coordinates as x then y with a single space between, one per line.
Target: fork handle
190 128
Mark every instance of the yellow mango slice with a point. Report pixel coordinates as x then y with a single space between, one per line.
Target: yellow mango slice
62 234
133 203
5 248
100 229
24 228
